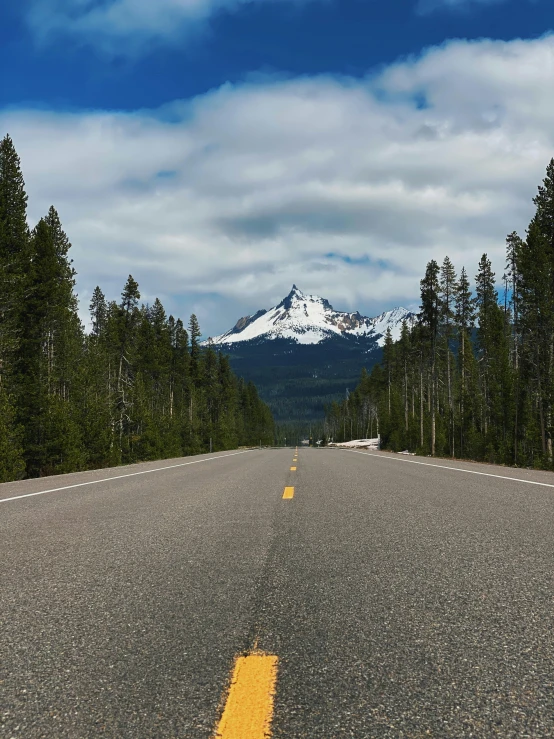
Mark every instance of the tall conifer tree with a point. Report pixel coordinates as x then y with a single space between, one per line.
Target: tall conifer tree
429 318
14 256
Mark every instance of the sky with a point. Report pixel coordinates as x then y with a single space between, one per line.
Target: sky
222 150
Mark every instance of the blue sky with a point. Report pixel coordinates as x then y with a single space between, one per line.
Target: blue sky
220 150
347 37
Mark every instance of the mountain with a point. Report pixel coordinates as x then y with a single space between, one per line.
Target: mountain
309 319
302 354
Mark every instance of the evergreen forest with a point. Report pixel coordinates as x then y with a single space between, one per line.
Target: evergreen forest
138 387
473 376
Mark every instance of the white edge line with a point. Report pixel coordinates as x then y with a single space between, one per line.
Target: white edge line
119 477
456 469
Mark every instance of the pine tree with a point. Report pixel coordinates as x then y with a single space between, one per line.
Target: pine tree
544 201
388 364
465 320
543 222
447 307
128 320
486 300
14 257
536 320
404 356
49 354
194 335
429 318
98 311
514 246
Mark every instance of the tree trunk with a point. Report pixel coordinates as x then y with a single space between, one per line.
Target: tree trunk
543 434
429 392
450 406
433 404
462 395
421 406
406 396
516 418
549 406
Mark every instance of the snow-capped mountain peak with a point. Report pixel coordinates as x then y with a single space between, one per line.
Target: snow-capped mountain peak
309 319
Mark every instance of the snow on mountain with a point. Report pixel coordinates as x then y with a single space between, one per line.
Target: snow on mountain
393 318
309 319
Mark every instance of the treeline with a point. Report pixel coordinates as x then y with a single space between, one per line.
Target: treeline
473 376
138 387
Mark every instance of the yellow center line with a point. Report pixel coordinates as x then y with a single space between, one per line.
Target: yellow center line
289 493
249 707
293 469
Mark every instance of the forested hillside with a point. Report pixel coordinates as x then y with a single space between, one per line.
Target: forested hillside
474 377
138 387
298 380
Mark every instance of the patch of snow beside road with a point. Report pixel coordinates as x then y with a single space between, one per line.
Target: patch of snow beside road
359 444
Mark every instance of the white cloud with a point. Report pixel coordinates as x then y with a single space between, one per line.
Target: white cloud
124 26
345 187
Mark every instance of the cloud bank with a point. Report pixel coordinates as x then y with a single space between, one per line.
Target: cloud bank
123 26
345 187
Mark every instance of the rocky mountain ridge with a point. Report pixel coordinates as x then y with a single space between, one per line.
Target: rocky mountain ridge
309 319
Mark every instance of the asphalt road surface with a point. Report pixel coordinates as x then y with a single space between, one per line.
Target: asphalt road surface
401 596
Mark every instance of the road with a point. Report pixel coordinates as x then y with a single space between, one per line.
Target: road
398 597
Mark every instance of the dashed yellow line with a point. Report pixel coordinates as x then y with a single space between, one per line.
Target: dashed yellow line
289 493
249 707
293 469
